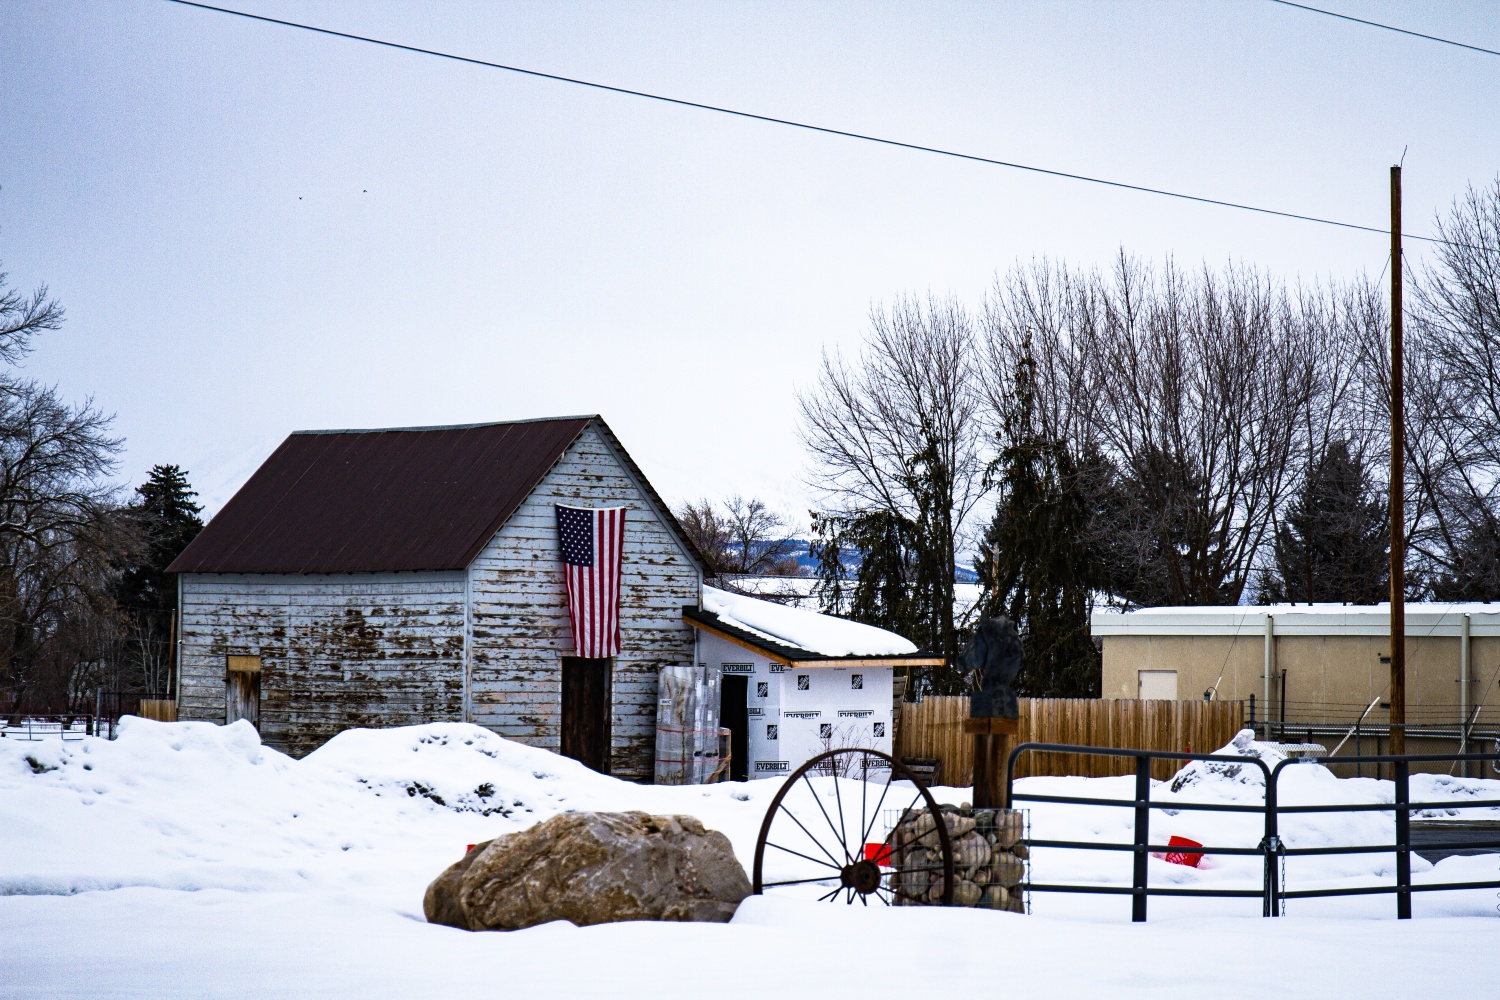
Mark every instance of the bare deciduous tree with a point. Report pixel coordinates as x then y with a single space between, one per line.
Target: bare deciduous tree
1456 319
741 537
1192 403
898 434
59 530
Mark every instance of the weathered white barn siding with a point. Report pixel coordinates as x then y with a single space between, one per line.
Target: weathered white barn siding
520 613
363 649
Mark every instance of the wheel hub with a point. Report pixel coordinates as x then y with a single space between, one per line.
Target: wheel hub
862 876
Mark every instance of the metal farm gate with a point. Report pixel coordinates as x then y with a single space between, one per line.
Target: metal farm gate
1271 848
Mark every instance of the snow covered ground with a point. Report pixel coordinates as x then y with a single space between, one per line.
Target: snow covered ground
187 860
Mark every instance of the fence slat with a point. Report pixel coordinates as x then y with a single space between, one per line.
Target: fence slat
934 727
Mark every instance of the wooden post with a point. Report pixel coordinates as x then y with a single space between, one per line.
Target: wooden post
993 741
1398 486
171 657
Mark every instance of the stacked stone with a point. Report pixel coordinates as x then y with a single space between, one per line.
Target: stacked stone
989 858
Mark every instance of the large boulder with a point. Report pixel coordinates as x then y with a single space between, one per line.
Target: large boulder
591 868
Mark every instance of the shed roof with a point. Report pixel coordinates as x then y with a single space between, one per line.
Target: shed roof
790 634
396 499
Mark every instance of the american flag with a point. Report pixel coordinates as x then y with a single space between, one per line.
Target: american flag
593 542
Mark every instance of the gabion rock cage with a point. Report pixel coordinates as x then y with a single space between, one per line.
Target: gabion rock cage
990 857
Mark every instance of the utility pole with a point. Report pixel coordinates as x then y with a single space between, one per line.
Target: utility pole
1398 486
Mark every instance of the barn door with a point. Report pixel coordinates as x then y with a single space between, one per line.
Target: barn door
585 710
242 690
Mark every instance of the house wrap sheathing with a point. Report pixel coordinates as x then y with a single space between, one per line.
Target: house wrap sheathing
793 683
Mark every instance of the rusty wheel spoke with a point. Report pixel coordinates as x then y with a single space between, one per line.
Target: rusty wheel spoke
805 857
800 881
836 832
815 840
838 797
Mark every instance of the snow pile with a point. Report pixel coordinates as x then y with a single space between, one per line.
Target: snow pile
310 876
1228 779
1447 788
192 805
809 630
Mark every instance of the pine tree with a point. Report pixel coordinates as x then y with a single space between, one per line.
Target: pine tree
1035 562
896 582
1473 573
1334 543
167 520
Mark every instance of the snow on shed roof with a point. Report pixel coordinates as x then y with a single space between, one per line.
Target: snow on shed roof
796 632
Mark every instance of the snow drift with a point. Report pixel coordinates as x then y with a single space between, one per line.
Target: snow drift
192 805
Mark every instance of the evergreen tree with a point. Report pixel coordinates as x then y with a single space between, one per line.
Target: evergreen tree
896 583
166 519
1035 562
1334 544
1474 570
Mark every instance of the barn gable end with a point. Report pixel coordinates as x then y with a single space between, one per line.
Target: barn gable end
520 614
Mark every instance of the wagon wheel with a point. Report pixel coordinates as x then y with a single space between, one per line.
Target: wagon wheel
840 829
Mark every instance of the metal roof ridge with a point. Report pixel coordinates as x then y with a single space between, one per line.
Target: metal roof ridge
450 427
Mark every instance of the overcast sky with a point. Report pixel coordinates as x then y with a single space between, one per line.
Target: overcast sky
256 229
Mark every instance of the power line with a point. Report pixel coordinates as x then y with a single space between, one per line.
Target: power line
806 126
1387 27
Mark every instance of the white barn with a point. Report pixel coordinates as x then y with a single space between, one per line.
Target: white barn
401 576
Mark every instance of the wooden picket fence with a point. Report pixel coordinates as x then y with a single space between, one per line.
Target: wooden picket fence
160 709
933 727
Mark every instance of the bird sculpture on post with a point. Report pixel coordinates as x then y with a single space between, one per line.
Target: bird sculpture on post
992 661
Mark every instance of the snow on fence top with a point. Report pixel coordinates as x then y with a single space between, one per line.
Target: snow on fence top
809 630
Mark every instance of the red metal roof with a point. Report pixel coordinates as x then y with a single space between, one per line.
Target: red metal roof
425 498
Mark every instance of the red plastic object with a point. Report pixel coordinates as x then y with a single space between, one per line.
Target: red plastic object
881 854
472 846
1182 857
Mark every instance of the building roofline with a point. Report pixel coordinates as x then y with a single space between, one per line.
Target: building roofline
781 652
706 570
450 427
1422 620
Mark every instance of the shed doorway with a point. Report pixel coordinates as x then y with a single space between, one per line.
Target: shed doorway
242 690
734 715
586 711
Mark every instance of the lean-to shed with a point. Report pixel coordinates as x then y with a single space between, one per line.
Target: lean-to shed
793 683
410 575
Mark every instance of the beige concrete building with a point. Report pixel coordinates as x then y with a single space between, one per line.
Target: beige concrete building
1316 667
